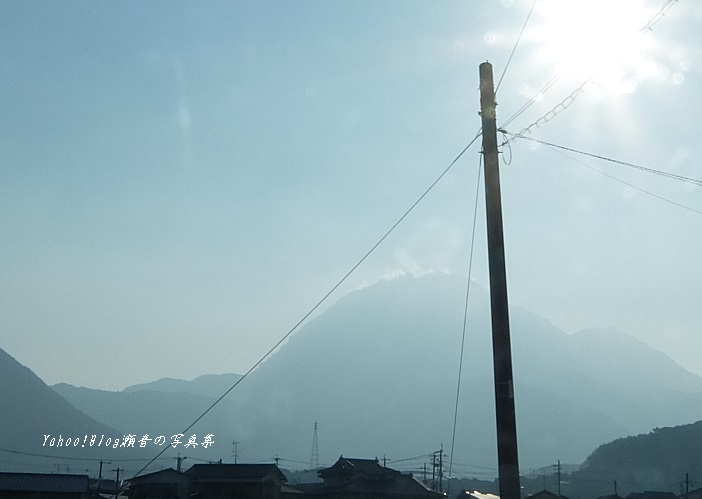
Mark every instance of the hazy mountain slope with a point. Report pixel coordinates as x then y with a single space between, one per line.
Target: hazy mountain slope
30 410
642 368
211 385
606 369
166 406
378 370
657 460
150 412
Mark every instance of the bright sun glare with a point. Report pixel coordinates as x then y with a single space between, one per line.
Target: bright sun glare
583 39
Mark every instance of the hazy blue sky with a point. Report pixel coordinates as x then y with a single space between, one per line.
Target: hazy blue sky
181 181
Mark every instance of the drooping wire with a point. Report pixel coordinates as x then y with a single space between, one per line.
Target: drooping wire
658 15
657 196
674 176
555 111
422 456
70 458
327 295
533 100
506 143
514 49
465 322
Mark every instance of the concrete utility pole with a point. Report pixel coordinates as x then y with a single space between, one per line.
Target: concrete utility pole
441 470
235 452
501 347
117 484
687 485
180 461
433 471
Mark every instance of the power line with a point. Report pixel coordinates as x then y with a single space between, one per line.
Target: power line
514 49
422 456
674 176
555 111
324 298
659 15
465 322
68 458
545 88
626 183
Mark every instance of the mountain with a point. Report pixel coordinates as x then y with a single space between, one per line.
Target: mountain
657 460
33 416
378 371
211 385
136 412
143 409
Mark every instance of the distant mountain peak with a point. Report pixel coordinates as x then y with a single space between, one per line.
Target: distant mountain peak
211 385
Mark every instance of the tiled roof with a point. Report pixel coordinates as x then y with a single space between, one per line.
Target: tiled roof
546 494
234 471
43 482
167 474
364 466
400 485
651 495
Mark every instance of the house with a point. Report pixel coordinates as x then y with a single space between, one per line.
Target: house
43 486
546 494
651 495
164 484
367 479
240 481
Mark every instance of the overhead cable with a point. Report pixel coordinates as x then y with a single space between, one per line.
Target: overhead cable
327 295
674 176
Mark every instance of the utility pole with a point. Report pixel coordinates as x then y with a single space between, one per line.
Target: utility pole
433 471
117 484
559 478
441 470
687 485
100 474
501 346
235 443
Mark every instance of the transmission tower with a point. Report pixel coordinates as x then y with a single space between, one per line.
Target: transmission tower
314 459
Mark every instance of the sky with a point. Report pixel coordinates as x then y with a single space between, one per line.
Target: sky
181 182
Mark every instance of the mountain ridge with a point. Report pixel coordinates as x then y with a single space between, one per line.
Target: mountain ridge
212 385
378 370
36 430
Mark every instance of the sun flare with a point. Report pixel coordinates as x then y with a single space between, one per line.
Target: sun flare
594 38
